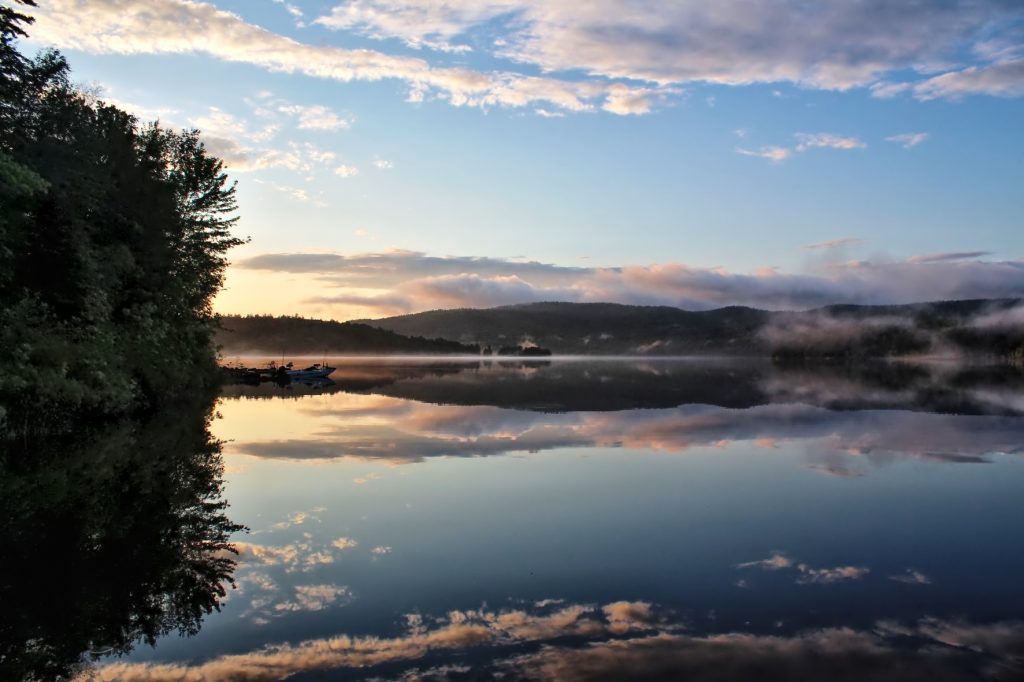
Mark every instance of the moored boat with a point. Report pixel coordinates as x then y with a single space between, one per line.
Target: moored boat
316 371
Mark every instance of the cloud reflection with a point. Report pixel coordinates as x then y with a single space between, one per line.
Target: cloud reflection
623 640
834 442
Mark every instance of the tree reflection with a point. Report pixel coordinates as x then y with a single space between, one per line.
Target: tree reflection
111 538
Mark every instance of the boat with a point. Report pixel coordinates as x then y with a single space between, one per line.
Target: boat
316 371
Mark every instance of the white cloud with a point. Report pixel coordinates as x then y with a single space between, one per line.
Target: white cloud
293 10
807 141
314 598
833 44
775 562
183 27
1005 79
623 640
908 140
384 164
773 154
344 171
826 576
315 117
545 113
344 543
807 574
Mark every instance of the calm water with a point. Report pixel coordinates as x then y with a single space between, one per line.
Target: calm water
576 520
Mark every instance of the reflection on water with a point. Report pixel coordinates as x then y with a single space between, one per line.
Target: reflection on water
116 538
602 520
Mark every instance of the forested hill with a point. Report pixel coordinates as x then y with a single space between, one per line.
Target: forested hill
593 328
987 327
267 335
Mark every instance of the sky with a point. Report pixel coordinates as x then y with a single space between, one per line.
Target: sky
401 155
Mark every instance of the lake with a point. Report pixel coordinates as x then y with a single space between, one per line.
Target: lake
582 519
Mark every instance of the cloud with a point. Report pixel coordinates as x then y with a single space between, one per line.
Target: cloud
462 290
773 563
773 154
384 164
807 141
796 413
314 598
344 171
823 654
825 576
1004 79
344 543
834 45
455 632
621 640
908 140
912 577
315 117
393 267
183 27
807 574
949 256
833 243
290 8
407 281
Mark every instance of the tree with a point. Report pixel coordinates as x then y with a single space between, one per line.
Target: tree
113 242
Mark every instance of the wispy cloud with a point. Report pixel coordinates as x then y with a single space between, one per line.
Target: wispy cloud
837 45
183 27
949 256
622 638
833 244
806 574
773 154
908 140
912 577
408 281
775 562
635 55
807 141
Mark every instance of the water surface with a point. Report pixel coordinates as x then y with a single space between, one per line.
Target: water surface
608 519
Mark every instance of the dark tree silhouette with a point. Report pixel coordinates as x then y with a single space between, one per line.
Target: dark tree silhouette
114 537
113 242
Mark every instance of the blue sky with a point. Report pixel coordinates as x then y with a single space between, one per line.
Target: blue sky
680 153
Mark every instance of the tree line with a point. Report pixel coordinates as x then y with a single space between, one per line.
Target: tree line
113 242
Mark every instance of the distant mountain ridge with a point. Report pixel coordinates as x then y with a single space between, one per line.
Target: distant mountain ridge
993 327
266 334
591 328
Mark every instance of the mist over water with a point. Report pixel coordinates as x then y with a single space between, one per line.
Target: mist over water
603 520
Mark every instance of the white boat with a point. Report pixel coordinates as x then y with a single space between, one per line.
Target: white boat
316 371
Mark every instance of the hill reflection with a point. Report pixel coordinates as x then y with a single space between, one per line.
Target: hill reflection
109 539
844 422
582 386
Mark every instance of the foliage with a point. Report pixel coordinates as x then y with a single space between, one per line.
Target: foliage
113 238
